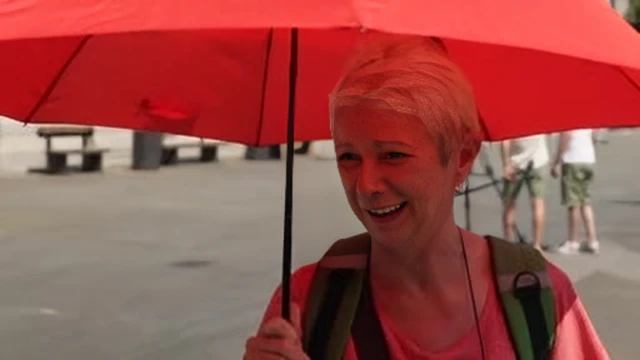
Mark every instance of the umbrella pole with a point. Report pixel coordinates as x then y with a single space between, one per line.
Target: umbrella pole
288 196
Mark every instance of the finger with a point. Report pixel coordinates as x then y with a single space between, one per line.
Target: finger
296 319
262 356
280 348
278 328
263 346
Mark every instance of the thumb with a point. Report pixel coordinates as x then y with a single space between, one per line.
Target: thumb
296 318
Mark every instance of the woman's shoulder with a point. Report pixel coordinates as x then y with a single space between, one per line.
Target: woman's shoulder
558 277
303 276
305 270
561 284
563 290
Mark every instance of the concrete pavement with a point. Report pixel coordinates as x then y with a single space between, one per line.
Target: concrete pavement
179 263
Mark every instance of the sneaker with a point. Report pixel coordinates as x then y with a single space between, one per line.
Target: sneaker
592 247
569 247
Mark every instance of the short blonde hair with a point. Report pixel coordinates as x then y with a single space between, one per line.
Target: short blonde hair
413 76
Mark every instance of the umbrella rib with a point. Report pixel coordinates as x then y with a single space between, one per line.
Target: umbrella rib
264 86
57 78
631 80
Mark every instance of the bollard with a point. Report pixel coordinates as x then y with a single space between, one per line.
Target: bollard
147 150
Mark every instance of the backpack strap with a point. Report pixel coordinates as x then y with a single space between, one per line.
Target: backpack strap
334 297
367 333
527 298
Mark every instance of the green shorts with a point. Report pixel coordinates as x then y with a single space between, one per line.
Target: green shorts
575 182
533 179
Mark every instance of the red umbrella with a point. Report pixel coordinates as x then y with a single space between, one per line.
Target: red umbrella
221 69
152 66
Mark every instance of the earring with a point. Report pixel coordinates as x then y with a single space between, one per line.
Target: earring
463 186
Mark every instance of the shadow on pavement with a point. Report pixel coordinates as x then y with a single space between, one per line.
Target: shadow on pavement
617 327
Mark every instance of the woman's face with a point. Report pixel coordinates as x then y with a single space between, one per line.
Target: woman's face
392 174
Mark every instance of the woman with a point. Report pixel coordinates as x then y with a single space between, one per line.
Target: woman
406 133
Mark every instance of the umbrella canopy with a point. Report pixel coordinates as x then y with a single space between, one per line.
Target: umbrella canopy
234 70
220 69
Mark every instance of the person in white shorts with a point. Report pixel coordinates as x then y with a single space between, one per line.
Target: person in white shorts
574 162
523 161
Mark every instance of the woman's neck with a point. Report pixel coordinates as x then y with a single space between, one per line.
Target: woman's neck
426 289
426 264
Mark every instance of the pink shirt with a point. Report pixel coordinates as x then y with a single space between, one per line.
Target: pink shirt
575 335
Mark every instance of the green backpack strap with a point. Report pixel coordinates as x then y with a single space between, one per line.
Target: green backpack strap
334 296
526 296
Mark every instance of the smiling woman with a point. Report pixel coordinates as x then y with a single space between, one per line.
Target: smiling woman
415 285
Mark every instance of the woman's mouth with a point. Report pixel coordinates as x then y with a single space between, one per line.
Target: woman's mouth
387 212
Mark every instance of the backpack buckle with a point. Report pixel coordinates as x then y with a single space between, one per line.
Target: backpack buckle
526 285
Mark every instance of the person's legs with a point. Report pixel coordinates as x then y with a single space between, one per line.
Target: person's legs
570 200
539 218
586 209
511 189
592 245
535 185
589 223
574 224
509 219
572 245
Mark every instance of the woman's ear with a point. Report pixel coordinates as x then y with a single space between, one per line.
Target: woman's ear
466 157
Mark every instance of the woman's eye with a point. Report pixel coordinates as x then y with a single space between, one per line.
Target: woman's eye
395 155
347 156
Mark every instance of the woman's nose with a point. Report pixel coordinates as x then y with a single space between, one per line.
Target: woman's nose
369 180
